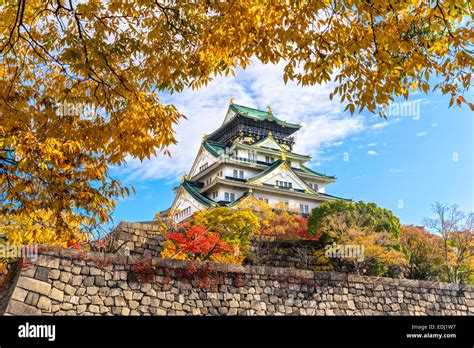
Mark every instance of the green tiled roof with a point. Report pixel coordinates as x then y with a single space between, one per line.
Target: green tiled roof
267 170
260 115
331 196
312 172
231 204
191 189
214 148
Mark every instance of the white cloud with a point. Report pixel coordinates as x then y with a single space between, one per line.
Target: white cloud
434 125
372 144
372 153
421 134
379 125
324 123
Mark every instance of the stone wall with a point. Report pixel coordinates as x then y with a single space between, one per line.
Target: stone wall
137 238
71 282
279 253
7 285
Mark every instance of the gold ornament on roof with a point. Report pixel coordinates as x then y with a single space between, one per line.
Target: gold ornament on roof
283 156
183 178
269 109
204 138
232 100
249 139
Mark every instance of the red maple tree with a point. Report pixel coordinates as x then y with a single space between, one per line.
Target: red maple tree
198 243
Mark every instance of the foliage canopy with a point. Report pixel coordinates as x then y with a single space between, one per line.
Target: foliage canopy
79 81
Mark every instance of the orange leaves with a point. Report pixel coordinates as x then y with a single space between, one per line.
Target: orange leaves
115 56
195 243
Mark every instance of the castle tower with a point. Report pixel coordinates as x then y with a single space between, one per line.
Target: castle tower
250 154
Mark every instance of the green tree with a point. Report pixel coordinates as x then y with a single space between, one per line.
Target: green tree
373 231
359 214
357 248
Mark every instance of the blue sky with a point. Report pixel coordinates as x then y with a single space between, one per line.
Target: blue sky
405 163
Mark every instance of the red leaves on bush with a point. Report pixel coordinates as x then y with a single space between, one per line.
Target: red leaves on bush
291 226
198 242
302 229
72 244
142 272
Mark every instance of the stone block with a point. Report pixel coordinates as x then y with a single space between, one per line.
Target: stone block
19 294
44 303
34 285
57 295
32 298
19 308
65 277
69 290
54 274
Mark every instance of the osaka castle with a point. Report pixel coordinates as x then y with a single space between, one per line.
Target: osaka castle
250 156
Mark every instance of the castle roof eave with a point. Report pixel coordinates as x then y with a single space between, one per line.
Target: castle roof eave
261 115
187 185
318 195
254 114
213 147
273 151
305 174
311 172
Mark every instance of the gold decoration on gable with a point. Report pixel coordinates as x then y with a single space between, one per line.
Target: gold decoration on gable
249 140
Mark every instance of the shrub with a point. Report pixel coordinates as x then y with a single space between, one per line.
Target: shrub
358 214
365 227
423 251
199 244
233 226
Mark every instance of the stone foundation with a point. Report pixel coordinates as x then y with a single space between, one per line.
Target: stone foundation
71 282
137 238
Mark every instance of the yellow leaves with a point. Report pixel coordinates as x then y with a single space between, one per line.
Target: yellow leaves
350 107
115 65
22 230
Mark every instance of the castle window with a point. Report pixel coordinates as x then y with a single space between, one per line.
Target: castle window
304 208
204 166
238 174
269 159
284 184
229 197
